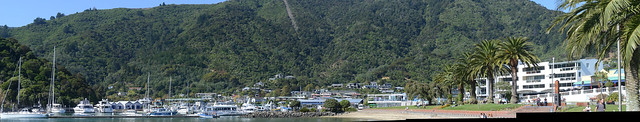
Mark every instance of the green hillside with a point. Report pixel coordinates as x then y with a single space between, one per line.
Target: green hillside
224 47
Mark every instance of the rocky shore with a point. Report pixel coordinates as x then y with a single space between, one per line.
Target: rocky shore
275 114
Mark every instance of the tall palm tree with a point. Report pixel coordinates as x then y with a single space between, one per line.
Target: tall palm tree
596 26
486 63
467 75
512 51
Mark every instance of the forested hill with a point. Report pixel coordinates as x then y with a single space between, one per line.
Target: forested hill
224 47
35 78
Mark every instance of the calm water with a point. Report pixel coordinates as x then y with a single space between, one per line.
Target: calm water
221 119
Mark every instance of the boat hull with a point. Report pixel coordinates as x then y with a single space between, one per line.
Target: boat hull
83 110
22 115
172 113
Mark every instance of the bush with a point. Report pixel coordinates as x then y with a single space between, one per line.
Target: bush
351 109
314 109
613 97
304 109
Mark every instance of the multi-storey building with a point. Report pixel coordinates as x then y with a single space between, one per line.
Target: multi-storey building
540 79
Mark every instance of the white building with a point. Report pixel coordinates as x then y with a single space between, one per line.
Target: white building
540 79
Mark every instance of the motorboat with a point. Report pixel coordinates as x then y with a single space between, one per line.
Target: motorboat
163 112
23 113
57 108
103 107
249 108
208 112
84 107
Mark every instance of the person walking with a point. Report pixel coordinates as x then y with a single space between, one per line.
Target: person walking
545 102
600 107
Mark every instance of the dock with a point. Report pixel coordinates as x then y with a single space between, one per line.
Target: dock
118 116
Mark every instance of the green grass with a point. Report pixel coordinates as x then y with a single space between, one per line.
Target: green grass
574 108
410 107
483 107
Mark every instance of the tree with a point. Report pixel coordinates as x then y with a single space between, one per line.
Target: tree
295 104
286 91
486 63
596 26
513 51
39 21
468 75
59 15
308 88
344 104
332 105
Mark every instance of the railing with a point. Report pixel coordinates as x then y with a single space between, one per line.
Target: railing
576 92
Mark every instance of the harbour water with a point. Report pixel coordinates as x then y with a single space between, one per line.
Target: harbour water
221 119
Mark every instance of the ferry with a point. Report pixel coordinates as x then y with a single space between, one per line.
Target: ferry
227 109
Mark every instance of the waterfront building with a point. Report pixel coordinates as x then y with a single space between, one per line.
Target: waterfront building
540 79
389 100
588 81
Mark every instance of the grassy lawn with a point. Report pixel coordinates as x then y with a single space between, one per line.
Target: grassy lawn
609 108
410 107
483 107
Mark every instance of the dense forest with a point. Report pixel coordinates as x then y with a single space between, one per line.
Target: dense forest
226 46
36 78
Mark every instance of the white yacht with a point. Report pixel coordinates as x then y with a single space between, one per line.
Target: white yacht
84 107
249 108
103 107
185 109
57 108
24 113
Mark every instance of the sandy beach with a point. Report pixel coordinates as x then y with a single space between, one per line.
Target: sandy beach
395 114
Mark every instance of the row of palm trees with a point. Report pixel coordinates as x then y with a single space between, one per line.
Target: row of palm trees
488 59
596 26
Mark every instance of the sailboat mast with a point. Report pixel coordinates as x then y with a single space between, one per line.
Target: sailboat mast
19 76
148 77
52 96
169 87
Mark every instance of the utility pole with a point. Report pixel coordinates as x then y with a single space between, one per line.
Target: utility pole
619 73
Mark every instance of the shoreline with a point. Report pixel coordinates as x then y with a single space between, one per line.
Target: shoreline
399 114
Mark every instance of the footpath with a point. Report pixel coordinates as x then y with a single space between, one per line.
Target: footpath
439 113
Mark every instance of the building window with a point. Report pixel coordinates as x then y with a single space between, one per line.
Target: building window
561 85
533 86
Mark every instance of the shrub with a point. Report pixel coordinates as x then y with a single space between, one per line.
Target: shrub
304 109
314 109
351 109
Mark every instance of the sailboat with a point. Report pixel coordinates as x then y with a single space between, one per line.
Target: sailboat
25 112
53 106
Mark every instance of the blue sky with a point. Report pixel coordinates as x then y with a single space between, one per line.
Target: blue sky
16 13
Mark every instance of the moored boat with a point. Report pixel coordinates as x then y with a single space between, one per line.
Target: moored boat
84 107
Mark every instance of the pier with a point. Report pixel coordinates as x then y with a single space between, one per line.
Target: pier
120 116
